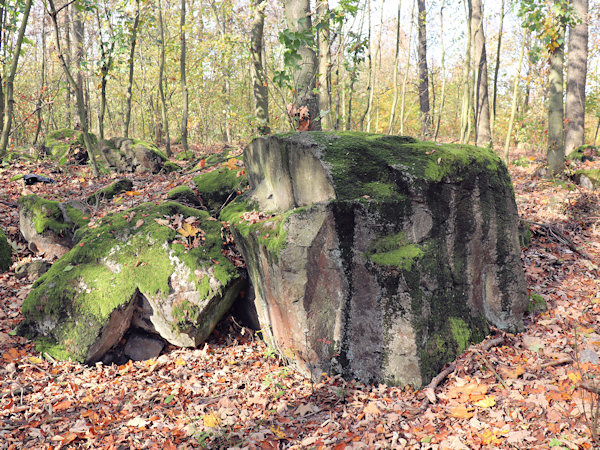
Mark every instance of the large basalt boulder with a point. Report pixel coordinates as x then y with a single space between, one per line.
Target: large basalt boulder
132 155
378 257
66 145
48 226
159 269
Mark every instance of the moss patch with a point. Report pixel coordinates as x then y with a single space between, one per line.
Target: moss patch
394 251
109 192
584 153
69 305
219 185
536 304
5 252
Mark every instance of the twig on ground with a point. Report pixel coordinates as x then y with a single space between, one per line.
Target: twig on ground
552 232
557 362
492 343
594 388
434 383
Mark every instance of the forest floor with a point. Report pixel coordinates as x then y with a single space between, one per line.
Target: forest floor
522 392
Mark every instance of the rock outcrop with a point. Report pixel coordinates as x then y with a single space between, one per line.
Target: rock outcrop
158 269
378 257
48 226
132 155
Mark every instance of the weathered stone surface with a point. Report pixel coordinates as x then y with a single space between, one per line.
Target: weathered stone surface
185 196
132 155
48 225
378 257
5 252
140 347
158 268
34 268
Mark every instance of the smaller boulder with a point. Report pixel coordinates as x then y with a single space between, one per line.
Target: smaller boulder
48 225
584 153
141 346
588 178
185 196
67 146
132 155
34 268
109 192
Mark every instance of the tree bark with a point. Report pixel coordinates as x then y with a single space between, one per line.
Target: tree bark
324 64
405 80
423 72
483 132
107 60
77 88
9 81
556 145
298 17
395 82
497 68
513 106
443 73
183 83
161 80
42 92
133 42
259 80
369 92
576 75
465 111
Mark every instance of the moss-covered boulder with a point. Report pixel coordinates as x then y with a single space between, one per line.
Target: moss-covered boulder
378 257
5 252
107 193
132 155
184 195
155 268
584 153
587 178
48 226
221 185
66 145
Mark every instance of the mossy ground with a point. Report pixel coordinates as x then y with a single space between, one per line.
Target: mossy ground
80 290
58 142
107 193
219 186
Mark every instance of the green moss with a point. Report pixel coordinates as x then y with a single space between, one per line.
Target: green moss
461 333
524 235
153 148
584 153
536 304
47 215
592 174
5 252
111 263
394 251
17 177
169 167
109 192
219 185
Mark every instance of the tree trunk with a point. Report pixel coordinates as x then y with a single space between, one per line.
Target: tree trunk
67 22
396 53
576 75
423 72
183 82
324 64
556 145
42 92
465 112
259 79
107 57
9 81
369 69
513 106
298 18
443 73
161 88
405 80
133 42
375 71
78 44
77 88
497 68
483 132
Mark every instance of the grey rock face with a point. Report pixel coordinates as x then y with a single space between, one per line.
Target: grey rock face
378 257
128 155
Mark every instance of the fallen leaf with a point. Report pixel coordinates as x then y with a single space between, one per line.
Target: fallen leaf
372 409
137 422
487 402
462 412
139 223
211 420
305 409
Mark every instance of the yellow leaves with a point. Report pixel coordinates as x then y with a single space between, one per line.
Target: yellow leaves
179 362
492 437
35 360
231 164
468 392
277 432
574 377
511 372
211 420
462 412
486 402
187 230
133 193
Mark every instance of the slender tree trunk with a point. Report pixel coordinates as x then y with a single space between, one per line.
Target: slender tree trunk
576 75
423 72
161 80
324 64
42 92
396 54
465 112
107 57
513 106
369 69
497 68
68 21
375 72
483 132
77 88
306 72
3 39
133 42
183 82
556 145
443 72
10 78
78 44
259 79
405 80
